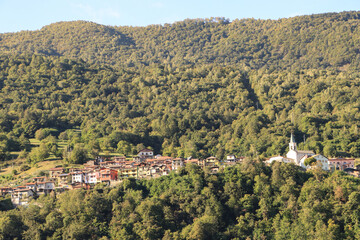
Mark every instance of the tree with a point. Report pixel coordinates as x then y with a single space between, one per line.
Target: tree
125 148
79 154
309 161
39 154
330 150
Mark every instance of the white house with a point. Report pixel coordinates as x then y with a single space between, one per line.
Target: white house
77 177
279 159
321 161
146 153
91 177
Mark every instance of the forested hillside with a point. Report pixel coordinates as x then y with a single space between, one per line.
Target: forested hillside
314 41
193 88
248 201
199 111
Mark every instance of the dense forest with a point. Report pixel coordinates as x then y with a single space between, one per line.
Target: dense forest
184 111
193 88
249 201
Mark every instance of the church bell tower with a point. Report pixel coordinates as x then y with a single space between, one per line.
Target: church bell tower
292 144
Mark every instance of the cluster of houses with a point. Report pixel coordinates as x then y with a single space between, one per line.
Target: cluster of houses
302 157
144 165
21 195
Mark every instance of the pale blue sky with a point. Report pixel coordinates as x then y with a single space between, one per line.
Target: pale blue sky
17 15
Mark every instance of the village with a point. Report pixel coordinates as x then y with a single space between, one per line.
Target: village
146 165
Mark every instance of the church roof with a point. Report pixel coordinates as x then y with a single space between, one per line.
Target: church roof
306 151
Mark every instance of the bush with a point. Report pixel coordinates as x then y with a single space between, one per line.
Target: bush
24 167
14 172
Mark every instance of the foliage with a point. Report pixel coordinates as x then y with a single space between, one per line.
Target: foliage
79 155
198 87
309 161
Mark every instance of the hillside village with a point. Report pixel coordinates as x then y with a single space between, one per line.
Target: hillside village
146 165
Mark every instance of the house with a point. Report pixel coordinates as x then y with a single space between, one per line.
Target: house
107 163
143 170
165 170
54 172
32 186
138 159
321 161
159 160
5 190
119 159
279 159
20 197
230 158
192 161
146 153
39 179
45 187
211 162
128 171
64 179
296 154
177 163
341 163
21 187
91 177
91 163
79 185
108 175
77 177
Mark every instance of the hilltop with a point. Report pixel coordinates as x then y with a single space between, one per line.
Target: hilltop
314 41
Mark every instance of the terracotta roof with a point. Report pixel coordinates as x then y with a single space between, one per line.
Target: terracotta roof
341 159
164 158
192 160
22 190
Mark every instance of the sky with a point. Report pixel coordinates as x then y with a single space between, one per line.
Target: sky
34 14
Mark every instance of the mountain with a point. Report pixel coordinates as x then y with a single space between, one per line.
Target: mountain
313 41
193 88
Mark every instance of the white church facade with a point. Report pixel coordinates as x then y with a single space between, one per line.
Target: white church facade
296 154
298 157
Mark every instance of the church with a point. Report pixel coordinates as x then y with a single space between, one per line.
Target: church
298 157
296 154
